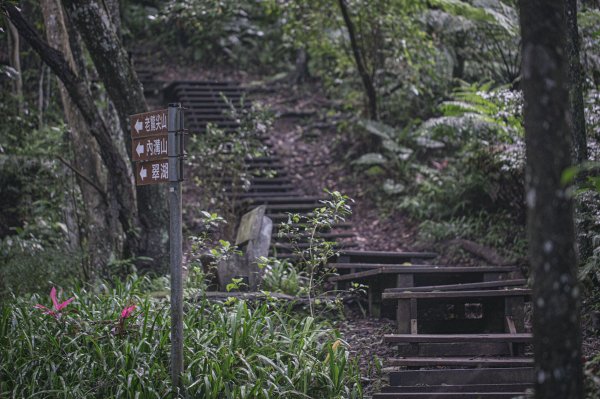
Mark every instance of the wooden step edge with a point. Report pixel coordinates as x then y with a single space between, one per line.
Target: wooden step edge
456 338
389 254
514 387
459 361
449 395
456 294
280 199
376 270
430 268
465 286
293 206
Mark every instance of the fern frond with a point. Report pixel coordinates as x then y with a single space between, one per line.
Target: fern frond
501 16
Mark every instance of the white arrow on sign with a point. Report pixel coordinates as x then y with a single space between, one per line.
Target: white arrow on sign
139 149
143 173
138 126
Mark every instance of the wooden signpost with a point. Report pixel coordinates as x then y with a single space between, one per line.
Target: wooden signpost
157 149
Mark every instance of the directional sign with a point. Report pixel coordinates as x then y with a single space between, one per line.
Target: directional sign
152 172
149 123
151 147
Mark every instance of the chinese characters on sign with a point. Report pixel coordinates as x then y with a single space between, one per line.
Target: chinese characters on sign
147 148
152 172
149 123
150 145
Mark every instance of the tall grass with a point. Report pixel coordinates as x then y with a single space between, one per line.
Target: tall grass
235 351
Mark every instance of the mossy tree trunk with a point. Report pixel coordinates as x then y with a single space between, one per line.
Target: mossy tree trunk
120 193
14 58
101 227
551 231
125 91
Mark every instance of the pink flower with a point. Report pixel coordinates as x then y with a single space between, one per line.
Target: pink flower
57 306
126 312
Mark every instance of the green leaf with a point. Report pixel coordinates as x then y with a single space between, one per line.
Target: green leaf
568 175
391 187
371 158
378 129
429 143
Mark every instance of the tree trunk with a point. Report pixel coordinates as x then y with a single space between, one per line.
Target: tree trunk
580 153
360 62
120 194
125 91
14 50
42 79
551 232
301 72
101 228
113 9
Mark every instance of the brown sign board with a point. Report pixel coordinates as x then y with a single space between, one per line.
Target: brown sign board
152 172
149 123
149 148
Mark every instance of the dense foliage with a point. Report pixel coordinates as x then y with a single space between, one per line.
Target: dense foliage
114 343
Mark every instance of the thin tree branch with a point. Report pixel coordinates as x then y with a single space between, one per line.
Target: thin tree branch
360 62
83 176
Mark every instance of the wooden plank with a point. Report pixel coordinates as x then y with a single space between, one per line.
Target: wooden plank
382 268
292 206
457 294
392 254
460 388
514 308
465 286
403 324
463 376
456 349
378 271
448 395
449 338
276 200
460 361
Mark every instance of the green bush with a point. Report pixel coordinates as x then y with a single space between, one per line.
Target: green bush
89 349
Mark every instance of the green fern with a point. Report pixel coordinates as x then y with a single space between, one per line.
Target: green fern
496 14
477 110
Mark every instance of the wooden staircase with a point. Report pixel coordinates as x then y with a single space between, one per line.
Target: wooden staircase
460 330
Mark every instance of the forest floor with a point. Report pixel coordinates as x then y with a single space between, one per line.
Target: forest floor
314 152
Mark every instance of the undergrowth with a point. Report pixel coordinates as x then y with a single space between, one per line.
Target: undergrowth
100 346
